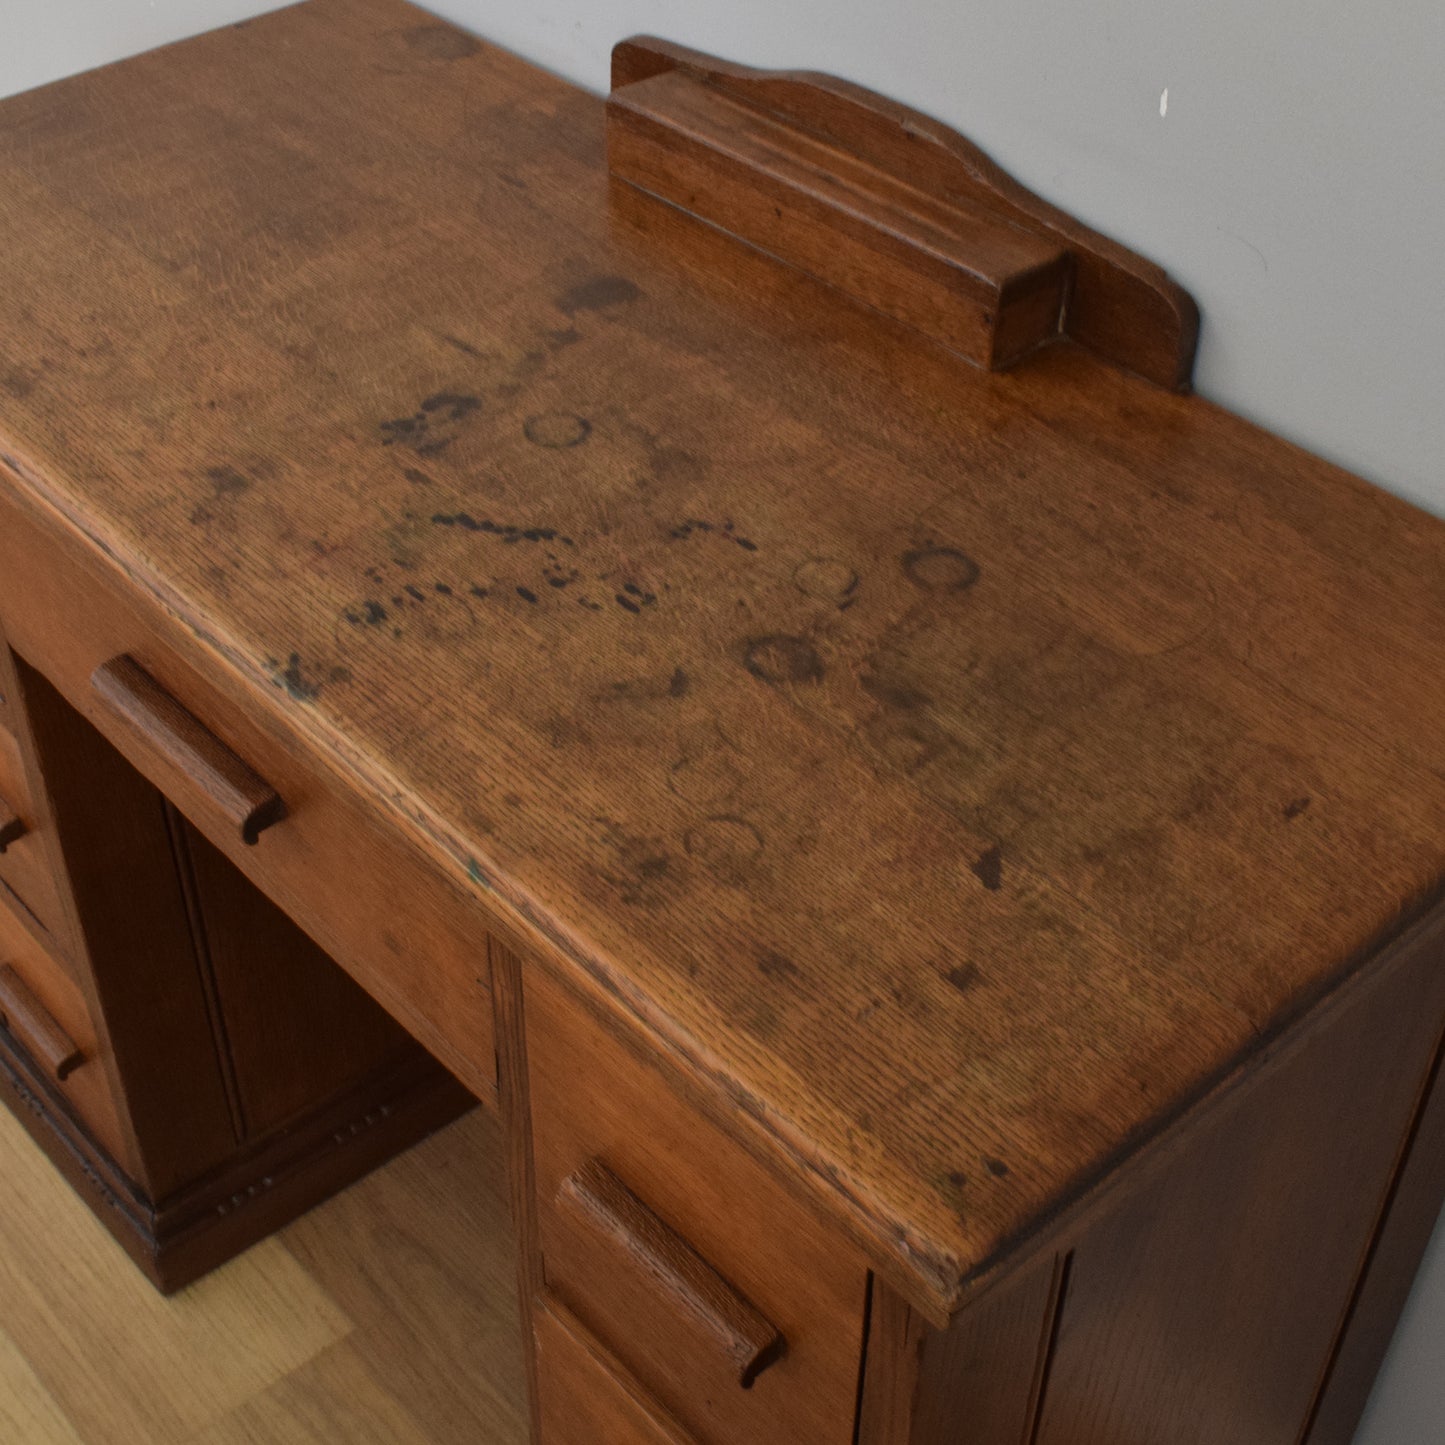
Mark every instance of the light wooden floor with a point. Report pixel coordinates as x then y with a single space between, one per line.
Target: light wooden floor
385 1317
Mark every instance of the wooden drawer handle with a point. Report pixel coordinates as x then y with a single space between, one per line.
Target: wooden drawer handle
34 1025
247 799
748 1339
12 826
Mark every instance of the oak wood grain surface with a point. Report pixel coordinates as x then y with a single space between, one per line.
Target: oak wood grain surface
964 771
675 116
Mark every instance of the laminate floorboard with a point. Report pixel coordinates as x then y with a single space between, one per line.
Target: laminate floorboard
384 1317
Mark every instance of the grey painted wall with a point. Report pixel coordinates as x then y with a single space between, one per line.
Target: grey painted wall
1294 182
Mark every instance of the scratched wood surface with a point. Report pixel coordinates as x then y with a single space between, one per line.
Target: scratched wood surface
962 769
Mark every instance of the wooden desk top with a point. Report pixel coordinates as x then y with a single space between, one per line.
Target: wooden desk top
966 771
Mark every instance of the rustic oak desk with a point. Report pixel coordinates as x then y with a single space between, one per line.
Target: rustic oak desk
719 614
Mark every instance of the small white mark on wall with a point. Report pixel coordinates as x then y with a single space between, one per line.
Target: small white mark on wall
1164 101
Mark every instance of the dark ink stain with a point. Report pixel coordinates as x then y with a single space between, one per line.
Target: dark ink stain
906 699
503 531
477 590
16 383
452 405
988 868
440 42
295 684
727 531
644 865
679 684
684 530
1294 809
557 430
402 429
417 478
227 481
374 613
415 592
596 293
958 1179
940 569
526 594
645 597
964 977
339 675
465 347
996 1167
419 431
776 965
783 659
443 589
634 598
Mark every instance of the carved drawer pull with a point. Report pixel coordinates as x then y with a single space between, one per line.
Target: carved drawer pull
679 1271
189 746
35 1027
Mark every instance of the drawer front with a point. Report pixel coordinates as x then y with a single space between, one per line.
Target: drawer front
722 1294
46 1020
586 1397
24 862
412 939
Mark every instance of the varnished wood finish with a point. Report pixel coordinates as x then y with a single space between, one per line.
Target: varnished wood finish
186 743
338 866
516 1112
596 1096
55 1032
641 1243
955 856
36 1027
12 826
988 1370
858 189
1406 1225
1120 753
27 861
326 1038
141 980
1216 1300
986 289
589 1397
233 1075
